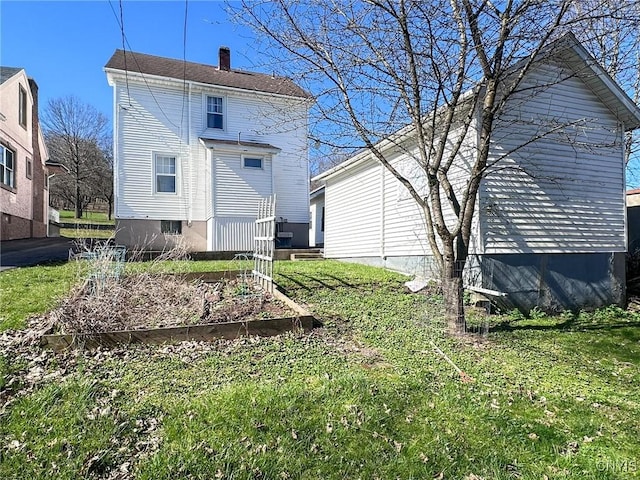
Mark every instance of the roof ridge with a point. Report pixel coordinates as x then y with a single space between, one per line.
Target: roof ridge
148 64
207 65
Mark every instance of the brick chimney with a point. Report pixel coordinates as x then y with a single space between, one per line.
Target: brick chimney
225 59
40 215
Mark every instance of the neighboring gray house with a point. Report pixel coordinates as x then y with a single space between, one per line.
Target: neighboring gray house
550 223
197 146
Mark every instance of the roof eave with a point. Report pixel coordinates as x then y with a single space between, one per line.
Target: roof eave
110 71
618 101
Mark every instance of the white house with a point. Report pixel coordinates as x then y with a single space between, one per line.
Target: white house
197 146
550 221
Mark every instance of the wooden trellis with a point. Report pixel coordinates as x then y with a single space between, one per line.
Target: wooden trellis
264 243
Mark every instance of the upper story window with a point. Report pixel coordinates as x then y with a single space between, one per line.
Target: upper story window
215 113
7 167
165 174
22 107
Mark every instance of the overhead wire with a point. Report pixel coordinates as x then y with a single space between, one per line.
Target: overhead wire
126 40
184 64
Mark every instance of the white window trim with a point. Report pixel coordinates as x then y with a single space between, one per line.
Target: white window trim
13 168
225 112
23 107
262 160
154 173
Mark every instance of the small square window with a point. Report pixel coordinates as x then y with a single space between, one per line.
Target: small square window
252 162
171 227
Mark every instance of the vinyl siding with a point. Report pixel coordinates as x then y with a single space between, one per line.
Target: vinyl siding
236 190
370 213
281 123
564 192
143 131
404 227
353 213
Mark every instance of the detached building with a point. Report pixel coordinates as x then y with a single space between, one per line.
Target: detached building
550 224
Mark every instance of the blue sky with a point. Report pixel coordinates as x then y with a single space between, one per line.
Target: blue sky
65 45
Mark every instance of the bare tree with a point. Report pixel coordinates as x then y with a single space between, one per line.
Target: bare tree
613 37
417 75
102 180
75 133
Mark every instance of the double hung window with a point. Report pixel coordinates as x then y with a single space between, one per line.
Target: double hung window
215 113
7 167
165 174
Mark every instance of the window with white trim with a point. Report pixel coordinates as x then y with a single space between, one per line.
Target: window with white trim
165 167
171 227
252 162
7 167
215 113
22 107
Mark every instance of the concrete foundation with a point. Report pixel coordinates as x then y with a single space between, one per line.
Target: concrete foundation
146 235
556 282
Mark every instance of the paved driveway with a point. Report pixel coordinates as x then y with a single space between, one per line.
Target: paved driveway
33 251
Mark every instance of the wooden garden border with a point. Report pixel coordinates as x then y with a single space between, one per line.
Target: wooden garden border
303 321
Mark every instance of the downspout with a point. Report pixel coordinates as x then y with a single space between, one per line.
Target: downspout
116 154
190 156
382 212
624 186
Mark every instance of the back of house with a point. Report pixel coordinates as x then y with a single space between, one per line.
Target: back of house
197 146
550 226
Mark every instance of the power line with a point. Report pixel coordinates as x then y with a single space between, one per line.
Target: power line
184 64
126 40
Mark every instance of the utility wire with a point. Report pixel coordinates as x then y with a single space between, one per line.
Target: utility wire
120 24
184 65
126 74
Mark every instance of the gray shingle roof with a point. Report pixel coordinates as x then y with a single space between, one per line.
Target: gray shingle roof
201 73
7 72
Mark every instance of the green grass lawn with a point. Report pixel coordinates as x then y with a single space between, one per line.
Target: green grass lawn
364 397
69 216
86 233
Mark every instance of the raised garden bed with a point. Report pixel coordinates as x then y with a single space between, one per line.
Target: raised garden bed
171 308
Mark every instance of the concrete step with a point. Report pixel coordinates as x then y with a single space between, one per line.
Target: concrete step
306 256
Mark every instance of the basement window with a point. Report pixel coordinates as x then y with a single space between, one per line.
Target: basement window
171 227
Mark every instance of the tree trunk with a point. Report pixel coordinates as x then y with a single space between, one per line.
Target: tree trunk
453 293
110 209
78 201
